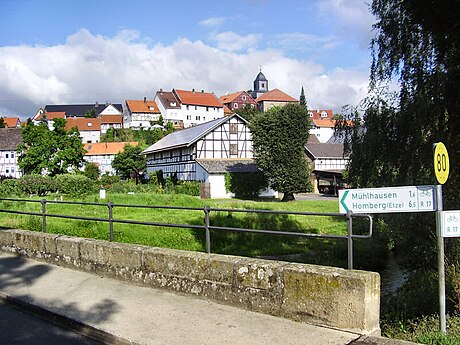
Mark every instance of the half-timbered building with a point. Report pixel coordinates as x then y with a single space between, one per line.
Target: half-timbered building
205 152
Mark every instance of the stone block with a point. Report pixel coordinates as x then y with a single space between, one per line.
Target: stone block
332 296
29 241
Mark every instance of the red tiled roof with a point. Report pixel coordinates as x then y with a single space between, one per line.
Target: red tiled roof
330 123
111 119
106 148
205 99
142 107
229 98
276 95
317 113
52 115
84 124
11 122
227 110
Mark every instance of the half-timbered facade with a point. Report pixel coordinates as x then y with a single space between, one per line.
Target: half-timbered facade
10 138
225 140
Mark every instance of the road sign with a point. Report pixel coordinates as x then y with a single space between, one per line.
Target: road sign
388 199
441 163
450 224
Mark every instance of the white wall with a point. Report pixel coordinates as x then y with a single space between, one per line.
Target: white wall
9 164
90 136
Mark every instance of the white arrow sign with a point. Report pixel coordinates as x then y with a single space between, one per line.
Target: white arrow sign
388 199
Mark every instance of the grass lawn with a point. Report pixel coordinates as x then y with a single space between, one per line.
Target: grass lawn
225 242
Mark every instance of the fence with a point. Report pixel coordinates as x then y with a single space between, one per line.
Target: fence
207 227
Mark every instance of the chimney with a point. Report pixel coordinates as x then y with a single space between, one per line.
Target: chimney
202 91
193 90
145 99
97 104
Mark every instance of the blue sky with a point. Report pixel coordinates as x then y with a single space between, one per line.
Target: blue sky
62 51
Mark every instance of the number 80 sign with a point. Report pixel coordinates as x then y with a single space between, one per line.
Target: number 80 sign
441 163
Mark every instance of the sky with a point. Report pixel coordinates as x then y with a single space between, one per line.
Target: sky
80 51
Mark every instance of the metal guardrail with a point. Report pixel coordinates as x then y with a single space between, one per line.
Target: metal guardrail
207 227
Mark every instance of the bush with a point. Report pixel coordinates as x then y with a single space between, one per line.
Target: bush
35 184
188 187
245 185
91 171
75 185
9 188
107 180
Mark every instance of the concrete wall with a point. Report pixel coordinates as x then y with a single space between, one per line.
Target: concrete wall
327 296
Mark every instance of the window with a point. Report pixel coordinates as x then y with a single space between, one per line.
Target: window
233 149
235 105
7 171
12 170
196 108
323 114
189 117
198 118
207 108
6 155
233 128
310 114
243 97
186 107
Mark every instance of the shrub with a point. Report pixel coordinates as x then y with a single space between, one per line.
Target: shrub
9 188
91 171
188 187
152 178
75 185
107 180
245 185
35 184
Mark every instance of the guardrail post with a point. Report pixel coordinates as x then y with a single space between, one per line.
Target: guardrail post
110 206
350 239
206 228
43 202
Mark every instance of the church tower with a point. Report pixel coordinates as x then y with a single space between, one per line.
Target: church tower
260 85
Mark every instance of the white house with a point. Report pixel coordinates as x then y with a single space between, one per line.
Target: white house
322 124
10 138
140 114
327 163
111 121
102 154
189 108
90 128
205 153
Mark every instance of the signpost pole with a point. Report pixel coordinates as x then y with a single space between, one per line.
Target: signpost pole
441 268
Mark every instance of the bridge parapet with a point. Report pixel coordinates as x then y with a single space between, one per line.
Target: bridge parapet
320 295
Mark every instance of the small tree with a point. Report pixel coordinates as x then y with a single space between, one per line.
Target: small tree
247 112
279 139
130 163
2 123
91 171
303 100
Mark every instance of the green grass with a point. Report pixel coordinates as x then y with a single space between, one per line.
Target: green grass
235 243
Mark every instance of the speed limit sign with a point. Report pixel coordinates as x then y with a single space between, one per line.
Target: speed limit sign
441 163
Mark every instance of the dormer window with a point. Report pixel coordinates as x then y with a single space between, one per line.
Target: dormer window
152 108
323 114
244 97
89 124
310 114
172 104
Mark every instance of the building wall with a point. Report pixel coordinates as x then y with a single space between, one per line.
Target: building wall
9 164
109 110
266 105
140 120
104 163
330 164
195 114
90 136
322 133
106 126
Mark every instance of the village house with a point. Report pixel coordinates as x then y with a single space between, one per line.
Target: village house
188 108
141 114
111 121
205 153
10 138
327 162
90 128
11 122
274 98
237 100
102 155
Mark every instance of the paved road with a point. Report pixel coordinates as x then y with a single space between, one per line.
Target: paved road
19 328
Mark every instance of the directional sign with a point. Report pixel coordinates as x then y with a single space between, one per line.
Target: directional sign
388 199
450 224
441 163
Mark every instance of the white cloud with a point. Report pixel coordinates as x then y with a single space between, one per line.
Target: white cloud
354 18
303 41
212 21
233 42
93 67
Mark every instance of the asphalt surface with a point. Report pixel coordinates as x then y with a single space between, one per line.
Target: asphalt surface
20 328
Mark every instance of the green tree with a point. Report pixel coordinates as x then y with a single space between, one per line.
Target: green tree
50 151
247 112
2 123
129 163
91 114
91 171
279 139
303 100
394 144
